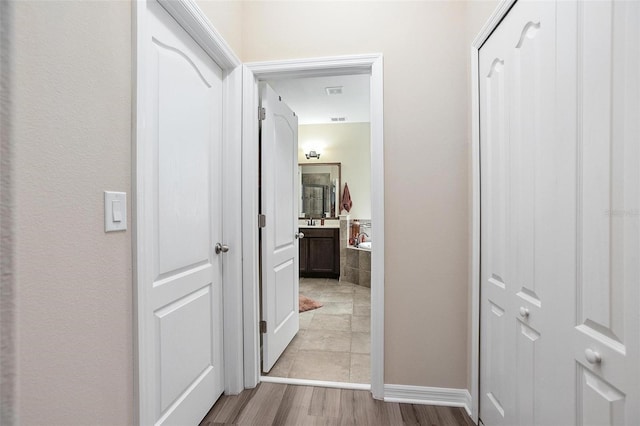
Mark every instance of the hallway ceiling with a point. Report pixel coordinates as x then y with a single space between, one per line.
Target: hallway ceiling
309 99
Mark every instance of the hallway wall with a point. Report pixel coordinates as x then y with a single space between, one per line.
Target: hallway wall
73 141
426 100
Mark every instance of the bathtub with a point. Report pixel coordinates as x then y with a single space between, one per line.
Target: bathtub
366 245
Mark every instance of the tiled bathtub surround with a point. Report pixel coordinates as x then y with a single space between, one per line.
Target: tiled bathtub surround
333 343
355 265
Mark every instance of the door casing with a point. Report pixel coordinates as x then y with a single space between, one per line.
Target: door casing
190 17
332 66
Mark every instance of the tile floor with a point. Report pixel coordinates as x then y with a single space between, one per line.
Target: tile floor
333 343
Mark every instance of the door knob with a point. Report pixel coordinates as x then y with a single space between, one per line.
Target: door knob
221 248
300 235
524 312
592 356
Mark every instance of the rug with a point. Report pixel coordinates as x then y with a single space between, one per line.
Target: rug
306 304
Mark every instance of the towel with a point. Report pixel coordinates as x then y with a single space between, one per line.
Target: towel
346 203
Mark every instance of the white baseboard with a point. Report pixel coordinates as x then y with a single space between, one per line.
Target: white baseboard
430 396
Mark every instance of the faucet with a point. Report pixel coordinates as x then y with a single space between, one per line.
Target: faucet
357 241
311 222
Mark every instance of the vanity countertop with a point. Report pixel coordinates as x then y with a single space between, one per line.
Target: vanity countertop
318 226
328 223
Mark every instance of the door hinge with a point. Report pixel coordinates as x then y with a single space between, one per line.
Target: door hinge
262 221
262 113
263 326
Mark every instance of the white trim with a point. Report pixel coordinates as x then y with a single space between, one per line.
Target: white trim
191 18
474 274
314 67
316 383
232 231
250 246
446 397
342 65
194 21
377 229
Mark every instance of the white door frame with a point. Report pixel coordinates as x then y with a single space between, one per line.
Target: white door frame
342 65
474 276
190 17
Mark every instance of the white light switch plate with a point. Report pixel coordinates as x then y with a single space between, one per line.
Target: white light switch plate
115 211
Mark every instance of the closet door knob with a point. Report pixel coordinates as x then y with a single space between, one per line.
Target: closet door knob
221 248
592 356
524 312
300 235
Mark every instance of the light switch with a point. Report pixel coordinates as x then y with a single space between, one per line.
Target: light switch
115 211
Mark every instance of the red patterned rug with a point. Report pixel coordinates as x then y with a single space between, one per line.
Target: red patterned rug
307 304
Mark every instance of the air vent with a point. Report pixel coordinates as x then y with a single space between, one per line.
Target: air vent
332 91
338 119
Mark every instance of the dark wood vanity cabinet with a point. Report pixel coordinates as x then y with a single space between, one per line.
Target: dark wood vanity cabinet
320 253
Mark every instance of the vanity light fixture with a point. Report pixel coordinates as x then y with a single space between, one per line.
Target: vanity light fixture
313 154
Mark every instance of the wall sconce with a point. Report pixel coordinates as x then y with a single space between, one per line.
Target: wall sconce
313 154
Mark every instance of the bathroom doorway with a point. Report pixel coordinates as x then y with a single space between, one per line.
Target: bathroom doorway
253 74
334 219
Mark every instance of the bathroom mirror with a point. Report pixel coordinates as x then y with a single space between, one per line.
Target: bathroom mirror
319 190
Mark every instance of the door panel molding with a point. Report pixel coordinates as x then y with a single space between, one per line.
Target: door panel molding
341 65
474 226
279 242
189 16
591 189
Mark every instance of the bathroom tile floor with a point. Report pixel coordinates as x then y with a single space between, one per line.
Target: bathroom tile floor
334 341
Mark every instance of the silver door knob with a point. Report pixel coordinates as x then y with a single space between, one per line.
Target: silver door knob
524 312
221 248
300 235
592 356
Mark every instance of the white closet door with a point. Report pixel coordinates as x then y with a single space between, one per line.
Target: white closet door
606 336
525 251
560 230
497 343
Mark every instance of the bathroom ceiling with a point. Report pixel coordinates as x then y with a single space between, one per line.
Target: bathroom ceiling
309 99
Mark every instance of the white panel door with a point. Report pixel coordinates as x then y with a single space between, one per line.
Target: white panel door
560 232
606 336
497 290
527 223
523 216
182 211
279 195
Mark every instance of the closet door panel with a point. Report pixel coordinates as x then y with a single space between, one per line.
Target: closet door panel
496 286
607 332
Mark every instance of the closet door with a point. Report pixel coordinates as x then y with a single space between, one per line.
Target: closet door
606 334
497 287
528 223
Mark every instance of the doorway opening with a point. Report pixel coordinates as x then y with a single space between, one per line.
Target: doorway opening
333 205
253 74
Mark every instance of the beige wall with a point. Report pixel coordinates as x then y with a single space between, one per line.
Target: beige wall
226 17
426 161
73 141
348 144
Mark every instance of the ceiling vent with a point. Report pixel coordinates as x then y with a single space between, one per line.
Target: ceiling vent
335 119
332 91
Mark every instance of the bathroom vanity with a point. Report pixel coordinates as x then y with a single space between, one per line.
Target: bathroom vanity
320 252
